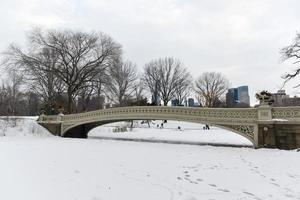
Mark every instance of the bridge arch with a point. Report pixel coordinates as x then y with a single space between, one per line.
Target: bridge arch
81 129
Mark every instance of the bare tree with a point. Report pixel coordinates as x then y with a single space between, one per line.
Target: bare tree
79 57
184 86
84 96
209 87
171 72
37 69
139 90
164 77
122 81
99 86
13 88
292 52
11 95
151 79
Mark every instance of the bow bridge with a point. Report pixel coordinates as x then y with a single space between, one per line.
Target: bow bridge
264 126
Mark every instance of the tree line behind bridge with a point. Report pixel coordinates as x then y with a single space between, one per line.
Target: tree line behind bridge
81 71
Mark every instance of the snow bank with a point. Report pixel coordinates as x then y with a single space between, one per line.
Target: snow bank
21 126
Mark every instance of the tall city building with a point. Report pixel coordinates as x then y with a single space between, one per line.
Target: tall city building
243 95
282 99
175 102
231 97
191 102
238 97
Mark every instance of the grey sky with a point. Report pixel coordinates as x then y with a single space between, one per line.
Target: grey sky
239 38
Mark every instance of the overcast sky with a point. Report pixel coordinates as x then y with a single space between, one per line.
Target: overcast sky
239 38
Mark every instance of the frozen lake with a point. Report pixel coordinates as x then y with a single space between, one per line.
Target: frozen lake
35 166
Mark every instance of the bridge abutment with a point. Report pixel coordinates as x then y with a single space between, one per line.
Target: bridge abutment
279 135
54 128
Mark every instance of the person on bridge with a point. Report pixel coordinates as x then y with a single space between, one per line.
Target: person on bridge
206 126
162 125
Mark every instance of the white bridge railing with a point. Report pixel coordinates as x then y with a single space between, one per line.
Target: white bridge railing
206 114
220 115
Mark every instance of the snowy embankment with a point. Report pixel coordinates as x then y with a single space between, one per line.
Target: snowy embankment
46 167
21 126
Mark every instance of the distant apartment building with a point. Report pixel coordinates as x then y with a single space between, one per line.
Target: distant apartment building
238 97
156 100
281 99
175 102
190 102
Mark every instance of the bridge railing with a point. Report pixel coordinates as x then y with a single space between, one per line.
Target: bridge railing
286 113
208 114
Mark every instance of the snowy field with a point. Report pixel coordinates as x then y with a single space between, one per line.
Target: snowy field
38 166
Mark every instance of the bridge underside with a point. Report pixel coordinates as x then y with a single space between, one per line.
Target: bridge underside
81 130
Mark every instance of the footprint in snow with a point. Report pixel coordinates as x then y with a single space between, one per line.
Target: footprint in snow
287 189
249 193
212 185
289 196
292 176
275 184
223 190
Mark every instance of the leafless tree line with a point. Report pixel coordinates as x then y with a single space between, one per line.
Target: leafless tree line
75 70
15 102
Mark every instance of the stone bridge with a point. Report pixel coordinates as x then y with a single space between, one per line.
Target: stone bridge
264 126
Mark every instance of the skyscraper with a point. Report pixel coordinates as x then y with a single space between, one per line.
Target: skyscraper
238 97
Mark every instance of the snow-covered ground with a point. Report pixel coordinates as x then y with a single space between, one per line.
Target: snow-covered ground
21 126
190 133
39 166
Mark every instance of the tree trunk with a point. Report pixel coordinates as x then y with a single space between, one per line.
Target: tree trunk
165 102
69 101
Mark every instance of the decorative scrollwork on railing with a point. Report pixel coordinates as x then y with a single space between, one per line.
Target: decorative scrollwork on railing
204 114
226 115
247 130
288 113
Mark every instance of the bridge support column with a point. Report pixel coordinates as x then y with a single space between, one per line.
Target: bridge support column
54 128
279 135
